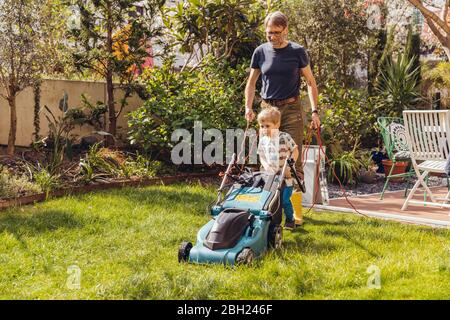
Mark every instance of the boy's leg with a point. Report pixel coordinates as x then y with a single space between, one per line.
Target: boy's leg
287 207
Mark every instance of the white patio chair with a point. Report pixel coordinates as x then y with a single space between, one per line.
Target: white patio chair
428 138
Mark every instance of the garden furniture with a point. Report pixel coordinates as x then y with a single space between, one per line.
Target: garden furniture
428 139
394 139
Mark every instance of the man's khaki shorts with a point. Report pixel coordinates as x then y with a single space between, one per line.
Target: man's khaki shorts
292 123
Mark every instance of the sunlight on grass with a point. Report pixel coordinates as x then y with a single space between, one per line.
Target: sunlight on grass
125 243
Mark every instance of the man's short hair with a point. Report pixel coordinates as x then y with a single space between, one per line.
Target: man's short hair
277 18
270 114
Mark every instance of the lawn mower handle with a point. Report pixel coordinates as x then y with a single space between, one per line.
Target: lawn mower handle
225 177
301 183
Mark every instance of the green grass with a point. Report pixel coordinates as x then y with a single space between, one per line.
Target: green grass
125 243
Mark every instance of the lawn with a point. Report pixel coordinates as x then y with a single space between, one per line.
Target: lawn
125 243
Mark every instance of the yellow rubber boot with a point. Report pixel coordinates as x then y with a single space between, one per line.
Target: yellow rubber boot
296 200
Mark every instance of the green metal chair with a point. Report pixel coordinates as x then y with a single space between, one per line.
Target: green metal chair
394 138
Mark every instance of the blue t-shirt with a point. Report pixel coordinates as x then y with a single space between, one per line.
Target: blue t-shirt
280 69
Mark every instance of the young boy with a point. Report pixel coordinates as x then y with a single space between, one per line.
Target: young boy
273 149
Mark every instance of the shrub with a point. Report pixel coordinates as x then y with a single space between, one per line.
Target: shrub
436 77
142 167
12 186
349 118
212 94
345 166
101 163
43 177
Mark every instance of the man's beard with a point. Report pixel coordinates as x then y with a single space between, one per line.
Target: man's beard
278 42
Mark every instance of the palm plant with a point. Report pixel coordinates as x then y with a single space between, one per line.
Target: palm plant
397 86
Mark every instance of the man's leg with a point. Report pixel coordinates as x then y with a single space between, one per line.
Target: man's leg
292 123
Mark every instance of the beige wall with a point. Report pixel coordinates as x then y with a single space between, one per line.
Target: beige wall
51 92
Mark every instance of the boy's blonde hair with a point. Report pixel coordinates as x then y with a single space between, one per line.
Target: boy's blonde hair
270 114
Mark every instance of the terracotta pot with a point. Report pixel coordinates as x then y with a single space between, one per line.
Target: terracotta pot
400 167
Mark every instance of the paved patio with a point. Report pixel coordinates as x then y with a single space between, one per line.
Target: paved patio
390 207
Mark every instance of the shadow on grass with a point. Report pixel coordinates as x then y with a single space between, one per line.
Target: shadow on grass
304 241
301 244
352 240
34 224
162 196
317 222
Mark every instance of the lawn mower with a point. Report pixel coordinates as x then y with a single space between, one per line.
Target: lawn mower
245 222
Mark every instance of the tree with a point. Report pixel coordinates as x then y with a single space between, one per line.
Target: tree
438 24
24 55
113 41
412 50
226 29
335 34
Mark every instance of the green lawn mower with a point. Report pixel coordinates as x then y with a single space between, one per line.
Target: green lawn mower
245 222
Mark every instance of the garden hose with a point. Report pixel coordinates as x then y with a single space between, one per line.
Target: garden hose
310 133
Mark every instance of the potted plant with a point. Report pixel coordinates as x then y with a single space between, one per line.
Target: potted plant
367 172
345 166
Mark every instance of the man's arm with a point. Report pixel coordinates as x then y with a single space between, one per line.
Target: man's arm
313 93
250 93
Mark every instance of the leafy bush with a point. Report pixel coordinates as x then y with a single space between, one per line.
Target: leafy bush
212 94
345 166
366 161
43 177
348 119
336 35
12 186
436 76
101 163
227 29
142 167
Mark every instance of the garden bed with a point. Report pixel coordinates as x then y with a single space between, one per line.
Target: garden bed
29 199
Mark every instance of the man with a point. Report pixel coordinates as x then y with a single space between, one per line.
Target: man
281 64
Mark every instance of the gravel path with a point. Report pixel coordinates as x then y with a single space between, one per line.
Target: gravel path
364 188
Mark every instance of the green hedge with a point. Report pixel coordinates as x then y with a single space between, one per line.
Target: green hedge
213 94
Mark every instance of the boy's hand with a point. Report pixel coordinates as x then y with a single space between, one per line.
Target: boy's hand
249 114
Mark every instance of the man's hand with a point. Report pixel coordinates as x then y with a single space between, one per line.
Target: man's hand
315 123
249 114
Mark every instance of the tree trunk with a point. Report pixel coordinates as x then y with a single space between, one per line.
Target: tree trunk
13 124
111 108
109 82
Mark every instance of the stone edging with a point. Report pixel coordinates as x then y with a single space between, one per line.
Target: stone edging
40 197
